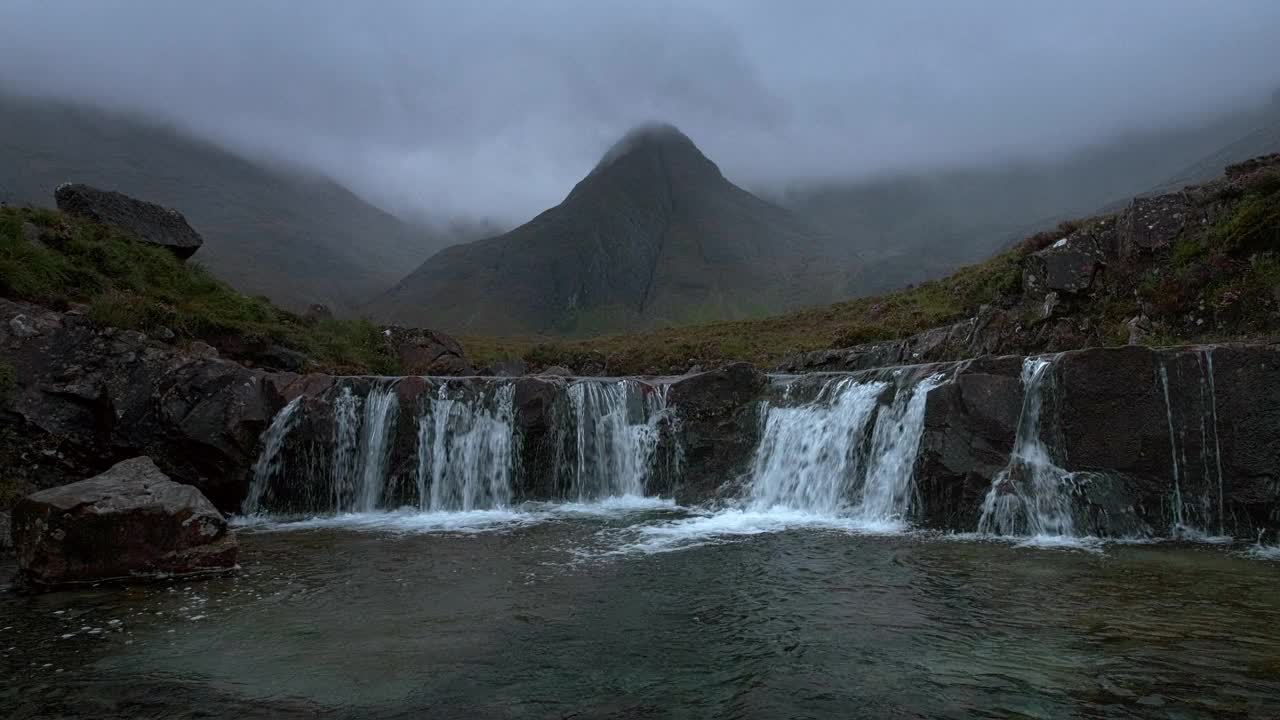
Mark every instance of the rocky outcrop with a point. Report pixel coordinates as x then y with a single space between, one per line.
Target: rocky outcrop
427 352
131 522
1151 438
148 222
86 397
718 427
1190 264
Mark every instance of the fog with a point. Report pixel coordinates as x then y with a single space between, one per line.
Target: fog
494 109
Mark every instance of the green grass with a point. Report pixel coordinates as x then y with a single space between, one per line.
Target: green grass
130 285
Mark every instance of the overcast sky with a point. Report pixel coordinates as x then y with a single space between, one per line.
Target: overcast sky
494 109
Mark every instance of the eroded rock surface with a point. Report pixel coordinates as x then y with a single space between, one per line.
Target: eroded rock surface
131 522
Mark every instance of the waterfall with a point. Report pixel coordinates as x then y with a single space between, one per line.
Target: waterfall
808 455
1217 445
1032 495
615 426
814 457
343 463
1197 502
1179 514
887 492
380 410
466 451
268 462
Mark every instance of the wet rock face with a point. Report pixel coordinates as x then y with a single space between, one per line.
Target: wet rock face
131 522
970 425
717 427
148 222
86 398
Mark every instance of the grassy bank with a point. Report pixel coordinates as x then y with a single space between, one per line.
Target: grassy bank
50 258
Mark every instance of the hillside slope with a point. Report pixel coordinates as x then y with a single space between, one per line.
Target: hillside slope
913 227
1198 265
653 235
297 240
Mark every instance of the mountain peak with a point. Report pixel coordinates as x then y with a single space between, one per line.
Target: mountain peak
648 138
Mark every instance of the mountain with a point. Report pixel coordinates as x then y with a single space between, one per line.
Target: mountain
294 238
911 227
653 235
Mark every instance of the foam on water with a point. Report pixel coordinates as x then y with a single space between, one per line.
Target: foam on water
729 524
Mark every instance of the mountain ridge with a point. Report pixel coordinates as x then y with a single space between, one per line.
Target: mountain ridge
654 234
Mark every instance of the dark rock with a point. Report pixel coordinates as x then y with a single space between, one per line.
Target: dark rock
131 522
277 357
203 350
1150 223
427 352
1068 266
557 371
21 326
6 532
970 424
148 222
317 312
92 397
717 427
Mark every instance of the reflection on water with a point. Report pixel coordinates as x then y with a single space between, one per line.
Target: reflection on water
583 611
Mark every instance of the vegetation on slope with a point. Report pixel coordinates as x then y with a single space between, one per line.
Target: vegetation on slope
52 259
1217 281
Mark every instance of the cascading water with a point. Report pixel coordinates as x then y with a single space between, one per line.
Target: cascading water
380 411
344 462
815 457
268 462
1197 502
466 452
887 491
615 426
809 455
1032 495
1217 444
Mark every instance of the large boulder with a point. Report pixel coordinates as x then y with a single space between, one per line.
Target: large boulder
427 352
131 522
151 223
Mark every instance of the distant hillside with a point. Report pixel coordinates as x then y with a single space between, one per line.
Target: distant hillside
295 239
912 227
1201 265
653 235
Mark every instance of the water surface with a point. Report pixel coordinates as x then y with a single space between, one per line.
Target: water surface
646 610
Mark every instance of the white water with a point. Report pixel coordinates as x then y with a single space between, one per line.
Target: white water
816 459
1217 445
268 462
380 411
616 433
1032 495
346 445
809 455
1196 506
888 490
466 452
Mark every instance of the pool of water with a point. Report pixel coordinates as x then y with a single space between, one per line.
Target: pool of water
648 610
